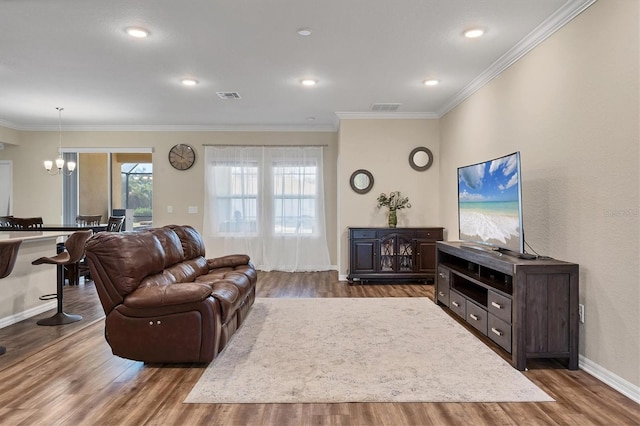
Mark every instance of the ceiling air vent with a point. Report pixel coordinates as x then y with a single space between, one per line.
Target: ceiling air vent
228 95
385 107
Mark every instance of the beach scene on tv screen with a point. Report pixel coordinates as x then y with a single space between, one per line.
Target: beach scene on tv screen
488 203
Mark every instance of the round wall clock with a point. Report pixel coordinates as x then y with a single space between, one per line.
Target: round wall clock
182 156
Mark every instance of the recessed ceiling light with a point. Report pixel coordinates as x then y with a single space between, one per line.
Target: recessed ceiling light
304 32
431 82
311 118
189 81
309 82
474 33
137 32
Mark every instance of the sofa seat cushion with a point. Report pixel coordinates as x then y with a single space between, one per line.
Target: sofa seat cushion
229 288
188 270
156 294
246 270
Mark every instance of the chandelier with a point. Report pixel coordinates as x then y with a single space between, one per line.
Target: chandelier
48 164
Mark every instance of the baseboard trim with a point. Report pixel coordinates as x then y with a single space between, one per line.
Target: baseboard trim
21 316
623 386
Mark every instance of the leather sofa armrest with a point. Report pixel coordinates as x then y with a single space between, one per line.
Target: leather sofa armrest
228 261
154 296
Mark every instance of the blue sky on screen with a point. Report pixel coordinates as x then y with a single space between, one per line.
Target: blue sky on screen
495 180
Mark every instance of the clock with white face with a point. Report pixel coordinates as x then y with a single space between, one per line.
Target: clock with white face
182 156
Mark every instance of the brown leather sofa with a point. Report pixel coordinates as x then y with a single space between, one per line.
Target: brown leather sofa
163 300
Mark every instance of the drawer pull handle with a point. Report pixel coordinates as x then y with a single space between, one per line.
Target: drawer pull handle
474 317
441 293
456 304
496 305
496 331
441 275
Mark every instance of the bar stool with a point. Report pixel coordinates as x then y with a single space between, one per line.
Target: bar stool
8 256
69 259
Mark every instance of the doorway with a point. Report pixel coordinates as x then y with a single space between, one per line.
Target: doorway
108 179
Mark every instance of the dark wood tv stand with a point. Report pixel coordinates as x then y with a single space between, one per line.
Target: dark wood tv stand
528 307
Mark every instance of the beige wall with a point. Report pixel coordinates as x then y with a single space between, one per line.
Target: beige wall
38 194
9 136
571 106
383 148
93 185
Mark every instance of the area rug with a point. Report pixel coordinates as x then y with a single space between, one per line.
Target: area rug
327 350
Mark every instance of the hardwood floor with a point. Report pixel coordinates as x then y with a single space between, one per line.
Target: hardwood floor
67 375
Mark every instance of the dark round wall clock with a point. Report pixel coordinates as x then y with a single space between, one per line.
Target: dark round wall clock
182 156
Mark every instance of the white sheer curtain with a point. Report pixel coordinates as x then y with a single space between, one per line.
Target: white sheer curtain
267 202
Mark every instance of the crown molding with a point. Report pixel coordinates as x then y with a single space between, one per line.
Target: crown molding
561 17
8 125
385 115
173 128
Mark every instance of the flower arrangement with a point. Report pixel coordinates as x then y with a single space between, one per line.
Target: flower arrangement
394 201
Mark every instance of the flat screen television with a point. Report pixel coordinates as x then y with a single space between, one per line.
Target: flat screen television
490 204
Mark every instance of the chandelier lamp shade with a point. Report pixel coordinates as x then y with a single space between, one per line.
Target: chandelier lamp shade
59 162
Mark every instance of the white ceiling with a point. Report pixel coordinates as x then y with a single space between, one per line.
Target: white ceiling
75 54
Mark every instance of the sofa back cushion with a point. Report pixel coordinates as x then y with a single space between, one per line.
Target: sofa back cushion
171 245
192 244
122 260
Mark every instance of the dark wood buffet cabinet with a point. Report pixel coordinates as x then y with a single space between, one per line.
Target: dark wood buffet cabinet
527 307
381 254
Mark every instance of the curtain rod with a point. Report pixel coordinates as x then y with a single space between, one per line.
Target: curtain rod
267 146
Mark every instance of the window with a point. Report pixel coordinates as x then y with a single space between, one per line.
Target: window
267 202
294 195
237 196
266 193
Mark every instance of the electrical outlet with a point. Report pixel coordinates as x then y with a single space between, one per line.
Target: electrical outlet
193 209
169 209
581 312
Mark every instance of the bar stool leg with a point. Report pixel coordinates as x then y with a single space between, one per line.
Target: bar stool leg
60 317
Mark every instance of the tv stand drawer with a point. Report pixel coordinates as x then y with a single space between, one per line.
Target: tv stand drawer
476 316
499 331
499 305
458 303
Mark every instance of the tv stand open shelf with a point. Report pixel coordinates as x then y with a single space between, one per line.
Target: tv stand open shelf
528 307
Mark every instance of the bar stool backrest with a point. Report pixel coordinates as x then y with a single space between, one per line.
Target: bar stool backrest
8 256
75 245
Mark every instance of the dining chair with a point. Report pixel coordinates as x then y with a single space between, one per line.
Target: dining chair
88 220
115 223
74 251
4 221
25 222
8 256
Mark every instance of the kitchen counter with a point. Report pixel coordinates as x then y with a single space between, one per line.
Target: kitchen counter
20 291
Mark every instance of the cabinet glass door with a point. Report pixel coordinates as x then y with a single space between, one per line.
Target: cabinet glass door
396 254
405 254
387 254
